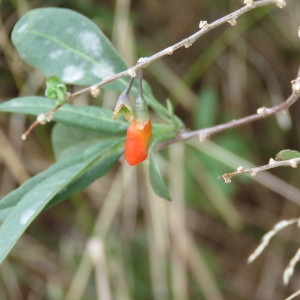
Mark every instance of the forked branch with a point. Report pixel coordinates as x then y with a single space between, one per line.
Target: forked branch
204 27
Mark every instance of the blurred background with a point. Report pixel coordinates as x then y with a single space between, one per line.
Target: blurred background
117 239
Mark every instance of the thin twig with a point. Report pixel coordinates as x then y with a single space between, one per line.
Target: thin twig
269 235
253 171
262 113
143 62
186 42
41 119
293 296
290 269
265 241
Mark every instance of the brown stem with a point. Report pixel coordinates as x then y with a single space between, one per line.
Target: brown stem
204 27
253 171
262 113
186 42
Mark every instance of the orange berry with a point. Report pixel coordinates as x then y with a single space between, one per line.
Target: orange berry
137 142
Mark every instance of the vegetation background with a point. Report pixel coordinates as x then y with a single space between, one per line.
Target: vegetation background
116 239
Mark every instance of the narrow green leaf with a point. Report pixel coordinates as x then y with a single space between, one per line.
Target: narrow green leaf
90 117
14 197
162 111
63 43
4 213
70 140
31 205
66 44
287 154
157 182
206 108
103 166
109 154
31 198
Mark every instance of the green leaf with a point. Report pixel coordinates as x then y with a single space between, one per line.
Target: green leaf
89 117
91 175
206 108
63 43
163 111
32 197
69 140
287 154
157 182
8 202
55 89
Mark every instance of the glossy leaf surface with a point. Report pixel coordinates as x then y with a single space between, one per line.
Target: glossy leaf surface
32 197
89 117
63 43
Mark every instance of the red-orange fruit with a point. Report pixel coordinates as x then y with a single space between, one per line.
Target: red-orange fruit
137 142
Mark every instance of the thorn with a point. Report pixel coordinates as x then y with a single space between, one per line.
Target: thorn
262 111
296 85
169 50
188 45
272 161
232 22
202 24
248 2
95 91
227 180
41 119
281 3
141 59
240 169
294 163
132 73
